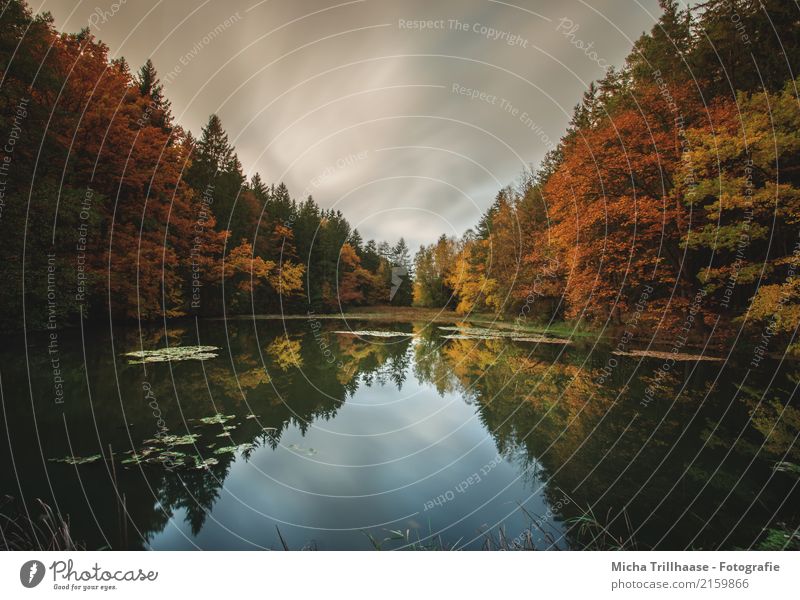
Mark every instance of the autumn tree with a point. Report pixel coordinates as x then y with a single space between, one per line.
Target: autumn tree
433 265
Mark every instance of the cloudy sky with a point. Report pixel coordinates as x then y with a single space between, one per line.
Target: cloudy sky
408 115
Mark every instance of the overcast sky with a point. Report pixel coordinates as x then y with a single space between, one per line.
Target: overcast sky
353 103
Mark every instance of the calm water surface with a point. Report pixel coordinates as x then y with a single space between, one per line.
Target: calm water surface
425 439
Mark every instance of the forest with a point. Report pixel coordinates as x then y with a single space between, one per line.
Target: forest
673 196
675 191
127 214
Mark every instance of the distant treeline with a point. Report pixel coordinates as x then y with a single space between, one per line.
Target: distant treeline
673 199
107 206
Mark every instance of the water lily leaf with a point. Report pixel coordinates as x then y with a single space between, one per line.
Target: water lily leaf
541 339
138 456
232 449
217 419
172 454
171 457
77 460
175 440
373 333
201 463
172 354
479 333
143 451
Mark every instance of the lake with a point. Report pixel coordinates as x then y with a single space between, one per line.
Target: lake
331 434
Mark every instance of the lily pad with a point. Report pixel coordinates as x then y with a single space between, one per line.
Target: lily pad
138 456
172 354
373 333
481 332
77 460
542 339
216 419
172 454
175 440
143 451
201 463
171 457
233 449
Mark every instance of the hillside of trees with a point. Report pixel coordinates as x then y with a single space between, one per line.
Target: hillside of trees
672 201
108 207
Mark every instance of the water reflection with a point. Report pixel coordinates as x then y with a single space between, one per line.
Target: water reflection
351 440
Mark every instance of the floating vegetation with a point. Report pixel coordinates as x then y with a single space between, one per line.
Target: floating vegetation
169 455
482 332
77 460
300 450
516 335
157 456
172 354
164 454
175 440
171 458
541 339
138 456
677 356
380 334
787 467
233 449
217 419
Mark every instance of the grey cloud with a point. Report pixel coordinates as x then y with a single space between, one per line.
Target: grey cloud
301 86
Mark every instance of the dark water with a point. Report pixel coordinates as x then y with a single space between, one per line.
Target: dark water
346 442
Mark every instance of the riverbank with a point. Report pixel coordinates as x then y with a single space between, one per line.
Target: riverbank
406 314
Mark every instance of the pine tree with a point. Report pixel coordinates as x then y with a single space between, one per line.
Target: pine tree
158 109
216 174
258 188
402 292
357 242
666 48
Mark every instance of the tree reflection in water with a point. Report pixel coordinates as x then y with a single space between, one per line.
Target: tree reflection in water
706 464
